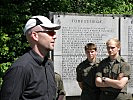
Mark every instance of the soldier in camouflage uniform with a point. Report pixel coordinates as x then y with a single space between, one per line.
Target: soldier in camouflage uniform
86 72
60 94
113 74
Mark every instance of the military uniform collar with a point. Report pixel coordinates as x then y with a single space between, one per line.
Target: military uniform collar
90 63
118 59
97 60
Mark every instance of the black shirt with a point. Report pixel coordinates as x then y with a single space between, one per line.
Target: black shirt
29 78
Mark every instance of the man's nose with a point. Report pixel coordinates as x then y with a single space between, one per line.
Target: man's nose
54 37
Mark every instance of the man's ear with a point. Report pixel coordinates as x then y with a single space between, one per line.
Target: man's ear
96 52
34 36
119 48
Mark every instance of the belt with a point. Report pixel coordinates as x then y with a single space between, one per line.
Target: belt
110 92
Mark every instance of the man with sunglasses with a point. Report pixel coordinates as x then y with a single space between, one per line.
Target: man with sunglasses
113 74
31 77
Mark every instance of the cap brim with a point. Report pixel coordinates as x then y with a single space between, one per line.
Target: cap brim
51 26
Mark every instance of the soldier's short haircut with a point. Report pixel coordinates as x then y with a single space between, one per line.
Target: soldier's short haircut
115 40
90 46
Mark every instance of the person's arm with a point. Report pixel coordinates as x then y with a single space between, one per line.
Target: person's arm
100 83
79 76
61 97
99 80
62 93
122 79
107 82
80 85
99 74
119 84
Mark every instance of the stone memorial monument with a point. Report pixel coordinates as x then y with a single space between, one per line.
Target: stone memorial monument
126 37
75 32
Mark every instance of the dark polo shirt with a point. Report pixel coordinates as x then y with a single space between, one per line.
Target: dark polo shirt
29 78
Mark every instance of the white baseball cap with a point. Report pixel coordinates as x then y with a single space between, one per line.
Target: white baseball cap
42 21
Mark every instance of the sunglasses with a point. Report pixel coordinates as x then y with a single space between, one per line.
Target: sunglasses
51 33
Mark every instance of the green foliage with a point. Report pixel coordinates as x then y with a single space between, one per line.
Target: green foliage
3 68
14 14
13 43
4 38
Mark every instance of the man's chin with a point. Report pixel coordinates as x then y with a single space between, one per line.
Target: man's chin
111 54
51 49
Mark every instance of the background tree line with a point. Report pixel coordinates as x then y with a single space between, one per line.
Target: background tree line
15 13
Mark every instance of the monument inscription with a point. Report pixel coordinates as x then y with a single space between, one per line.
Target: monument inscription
127 45
75 33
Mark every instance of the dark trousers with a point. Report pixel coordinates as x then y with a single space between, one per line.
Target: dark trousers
114 96
88 96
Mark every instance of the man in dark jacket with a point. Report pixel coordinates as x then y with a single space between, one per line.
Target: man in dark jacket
31 77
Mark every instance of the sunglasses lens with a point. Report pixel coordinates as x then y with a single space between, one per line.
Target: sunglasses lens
51 33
